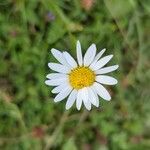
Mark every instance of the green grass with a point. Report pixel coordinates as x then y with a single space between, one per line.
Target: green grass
29 119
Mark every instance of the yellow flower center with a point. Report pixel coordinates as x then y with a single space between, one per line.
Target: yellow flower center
81 77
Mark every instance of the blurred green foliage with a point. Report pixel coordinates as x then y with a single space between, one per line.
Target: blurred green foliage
29 119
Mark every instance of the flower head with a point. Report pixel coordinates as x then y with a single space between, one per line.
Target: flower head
81 81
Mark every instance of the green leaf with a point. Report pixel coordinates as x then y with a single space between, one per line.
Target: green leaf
119 8
70 145
56 31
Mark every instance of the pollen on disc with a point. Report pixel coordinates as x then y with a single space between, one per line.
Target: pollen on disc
81 77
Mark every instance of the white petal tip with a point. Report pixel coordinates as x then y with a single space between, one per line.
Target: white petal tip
47 76
117 66
49 64
53 50
46 82
56 100
103 50
116 82
67 108
78 108
93 45
97 105
78 44
108 99
111 55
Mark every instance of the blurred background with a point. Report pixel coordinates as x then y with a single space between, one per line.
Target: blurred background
29 119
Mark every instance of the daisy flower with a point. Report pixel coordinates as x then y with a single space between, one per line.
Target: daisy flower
81 81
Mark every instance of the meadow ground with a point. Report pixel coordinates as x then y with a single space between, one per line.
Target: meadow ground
29 119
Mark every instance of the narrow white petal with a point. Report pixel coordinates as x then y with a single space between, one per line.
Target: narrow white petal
103 61
93 98
58 68
71 99
60 87
56 75
101 91
107 69
97 57
79 100
87 104
79 53
85 98
89 55
55 82
59 56
97 99
70 60
99 54
84 94
106 80
63 94
96 95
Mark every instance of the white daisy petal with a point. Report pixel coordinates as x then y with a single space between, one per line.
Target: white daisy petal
56 75
106 80
89 55
70 60
97 57
93 98
55 82
59 56
60 87
97 99
63 94
99 54
58 68
101 91
79 100
107 69
71 99
103 61
84 94
85 98
87 104
79 53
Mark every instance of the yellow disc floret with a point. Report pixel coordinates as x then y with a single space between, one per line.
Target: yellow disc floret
81 77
